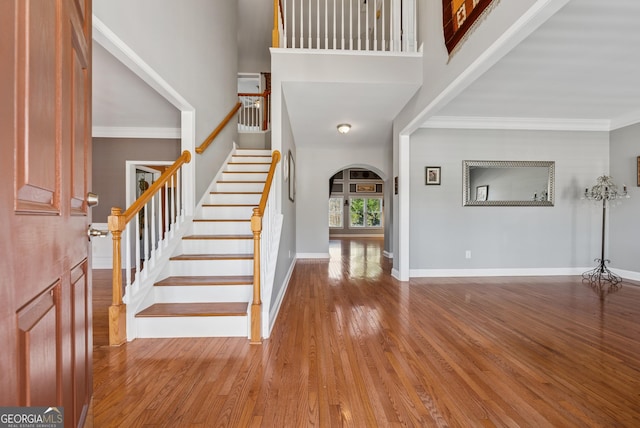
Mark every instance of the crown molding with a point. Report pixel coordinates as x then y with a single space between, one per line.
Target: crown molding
517 123
135 132
625 120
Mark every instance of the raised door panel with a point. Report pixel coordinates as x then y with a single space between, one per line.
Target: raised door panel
39 338
37 169
80 137
81 340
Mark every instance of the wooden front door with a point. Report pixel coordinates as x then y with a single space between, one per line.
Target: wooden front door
45 170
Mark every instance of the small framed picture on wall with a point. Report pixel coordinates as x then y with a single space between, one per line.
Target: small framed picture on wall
432 175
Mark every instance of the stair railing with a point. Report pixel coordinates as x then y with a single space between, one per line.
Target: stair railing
356 25
159 212
255 115
202 147
263 210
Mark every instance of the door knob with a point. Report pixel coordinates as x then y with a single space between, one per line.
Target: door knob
96 232
92 199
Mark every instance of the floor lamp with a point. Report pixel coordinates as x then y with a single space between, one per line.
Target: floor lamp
606 191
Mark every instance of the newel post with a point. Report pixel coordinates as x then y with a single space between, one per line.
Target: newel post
117 310
256 316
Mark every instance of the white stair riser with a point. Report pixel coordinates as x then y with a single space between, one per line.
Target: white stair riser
221 227
240 187
203 293
261 152
210 267
244 176
248 167
250 159
227 212
217 246
235 198
162 327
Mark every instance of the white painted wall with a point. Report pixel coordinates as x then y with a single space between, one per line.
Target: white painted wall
192 46
624 225
564 238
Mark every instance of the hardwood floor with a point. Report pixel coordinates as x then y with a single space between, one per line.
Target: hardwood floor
354 347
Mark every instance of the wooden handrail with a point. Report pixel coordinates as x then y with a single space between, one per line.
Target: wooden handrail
202 147
256 228
257 94
117 223
275 158
135 208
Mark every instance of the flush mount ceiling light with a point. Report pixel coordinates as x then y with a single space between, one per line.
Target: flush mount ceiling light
343 128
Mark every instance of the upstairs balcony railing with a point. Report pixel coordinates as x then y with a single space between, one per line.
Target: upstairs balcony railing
355 25
254 114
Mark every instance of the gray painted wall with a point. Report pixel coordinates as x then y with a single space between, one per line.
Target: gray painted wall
624 240
109 158
193 46
315 166
563 236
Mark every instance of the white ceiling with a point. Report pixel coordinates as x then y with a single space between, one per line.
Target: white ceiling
582 64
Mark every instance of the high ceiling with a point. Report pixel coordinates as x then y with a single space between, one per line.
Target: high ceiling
583 64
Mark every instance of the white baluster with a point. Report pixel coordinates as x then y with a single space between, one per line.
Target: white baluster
137 240
127 253
145 243
154 237
335 29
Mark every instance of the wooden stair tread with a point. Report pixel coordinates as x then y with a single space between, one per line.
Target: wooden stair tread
195 309
213 257
206 280
218 237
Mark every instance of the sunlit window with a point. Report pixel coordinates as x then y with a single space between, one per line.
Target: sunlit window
365 212
336 212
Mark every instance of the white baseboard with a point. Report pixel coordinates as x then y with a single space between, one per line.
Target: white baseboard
275 309
627 274
441 273
387 254
312 255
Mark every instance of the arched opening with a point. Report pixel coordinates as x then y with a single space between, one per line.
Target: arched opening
356 203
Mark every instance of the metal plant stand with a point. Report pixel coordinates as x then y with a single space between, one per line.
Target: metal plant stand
605 191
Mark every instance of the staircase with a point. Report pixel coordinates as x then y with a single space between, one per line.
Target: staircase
207 287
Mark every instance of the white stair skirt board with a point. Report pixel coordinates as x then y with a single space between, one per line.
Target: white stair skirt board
203 293
208 326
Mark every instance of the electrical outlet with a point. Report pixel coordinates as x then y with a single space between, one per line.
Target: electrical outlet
467 254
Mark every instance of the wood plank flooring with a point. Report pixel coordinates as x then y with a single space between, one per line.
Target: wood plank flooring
354 347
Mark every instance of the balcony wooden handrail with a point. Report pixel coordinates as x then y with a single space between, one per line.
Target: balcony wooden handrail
256 94
202 147
256 228
117 223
